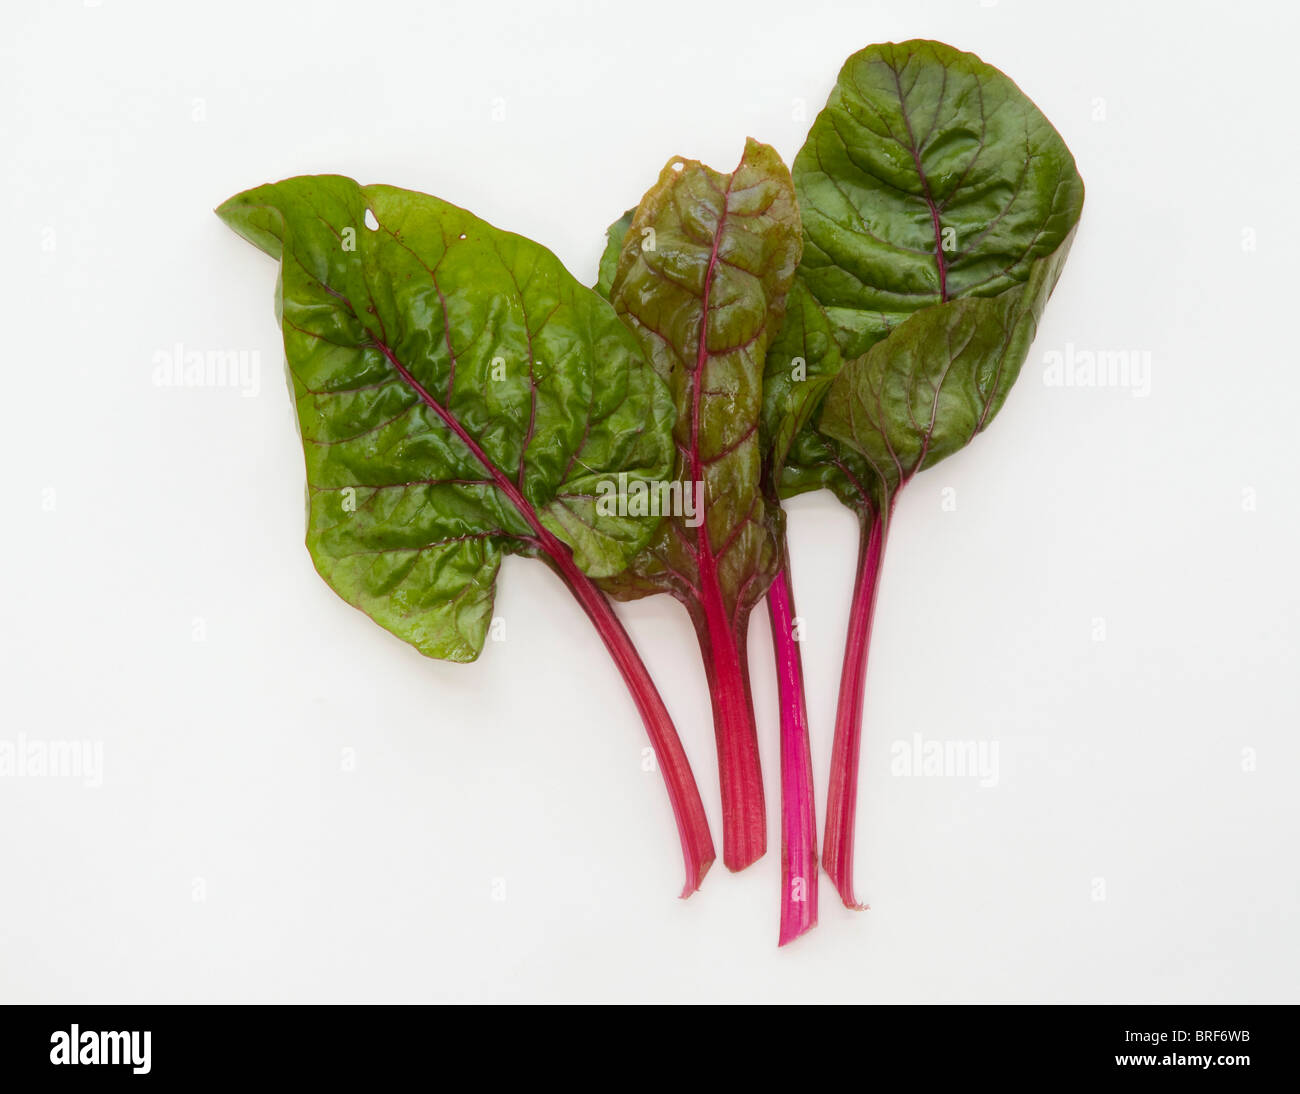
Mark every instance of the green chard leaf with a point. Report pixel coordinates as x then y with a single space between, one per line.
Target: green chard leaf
925 391
614 236
460 396
928 178
939 206
802 362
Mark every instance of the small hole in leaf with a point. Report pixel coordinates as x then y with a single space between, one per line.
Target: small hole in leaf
462 235
678 165
371 222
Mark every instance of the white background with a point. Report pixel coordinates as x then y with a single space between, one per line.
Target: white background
138 516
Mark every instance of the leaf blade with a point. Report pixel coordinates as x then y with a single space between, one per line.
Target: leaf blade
918 145
615 234
705 300
456 387
938 379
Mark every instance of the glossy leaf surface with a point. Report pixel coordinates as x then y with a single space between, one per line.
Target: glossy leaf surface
460 396
614 236
939 379
801 364
705 300
927 176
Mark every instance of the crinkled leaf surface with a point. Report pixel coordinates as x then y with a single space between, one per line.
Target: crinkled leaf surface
928 177
458 392
939 378
705 300
802 362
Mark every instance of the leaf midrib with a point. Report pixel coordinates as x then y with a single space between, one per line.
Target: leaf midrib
499 478
703 543
925 188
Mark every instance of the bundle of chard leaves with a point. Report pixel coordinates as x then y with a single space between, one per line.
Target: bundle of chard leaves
843 324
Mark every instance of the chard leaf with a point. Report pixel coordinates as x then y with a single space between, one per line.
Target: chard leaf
702 278
460 396
792 388
802 362
614 236
938 379
938 206
928 176
705 290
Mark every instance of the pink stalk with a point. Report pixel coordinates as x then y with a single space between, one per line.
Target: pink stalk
842 795
726 664
798 808
683 794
